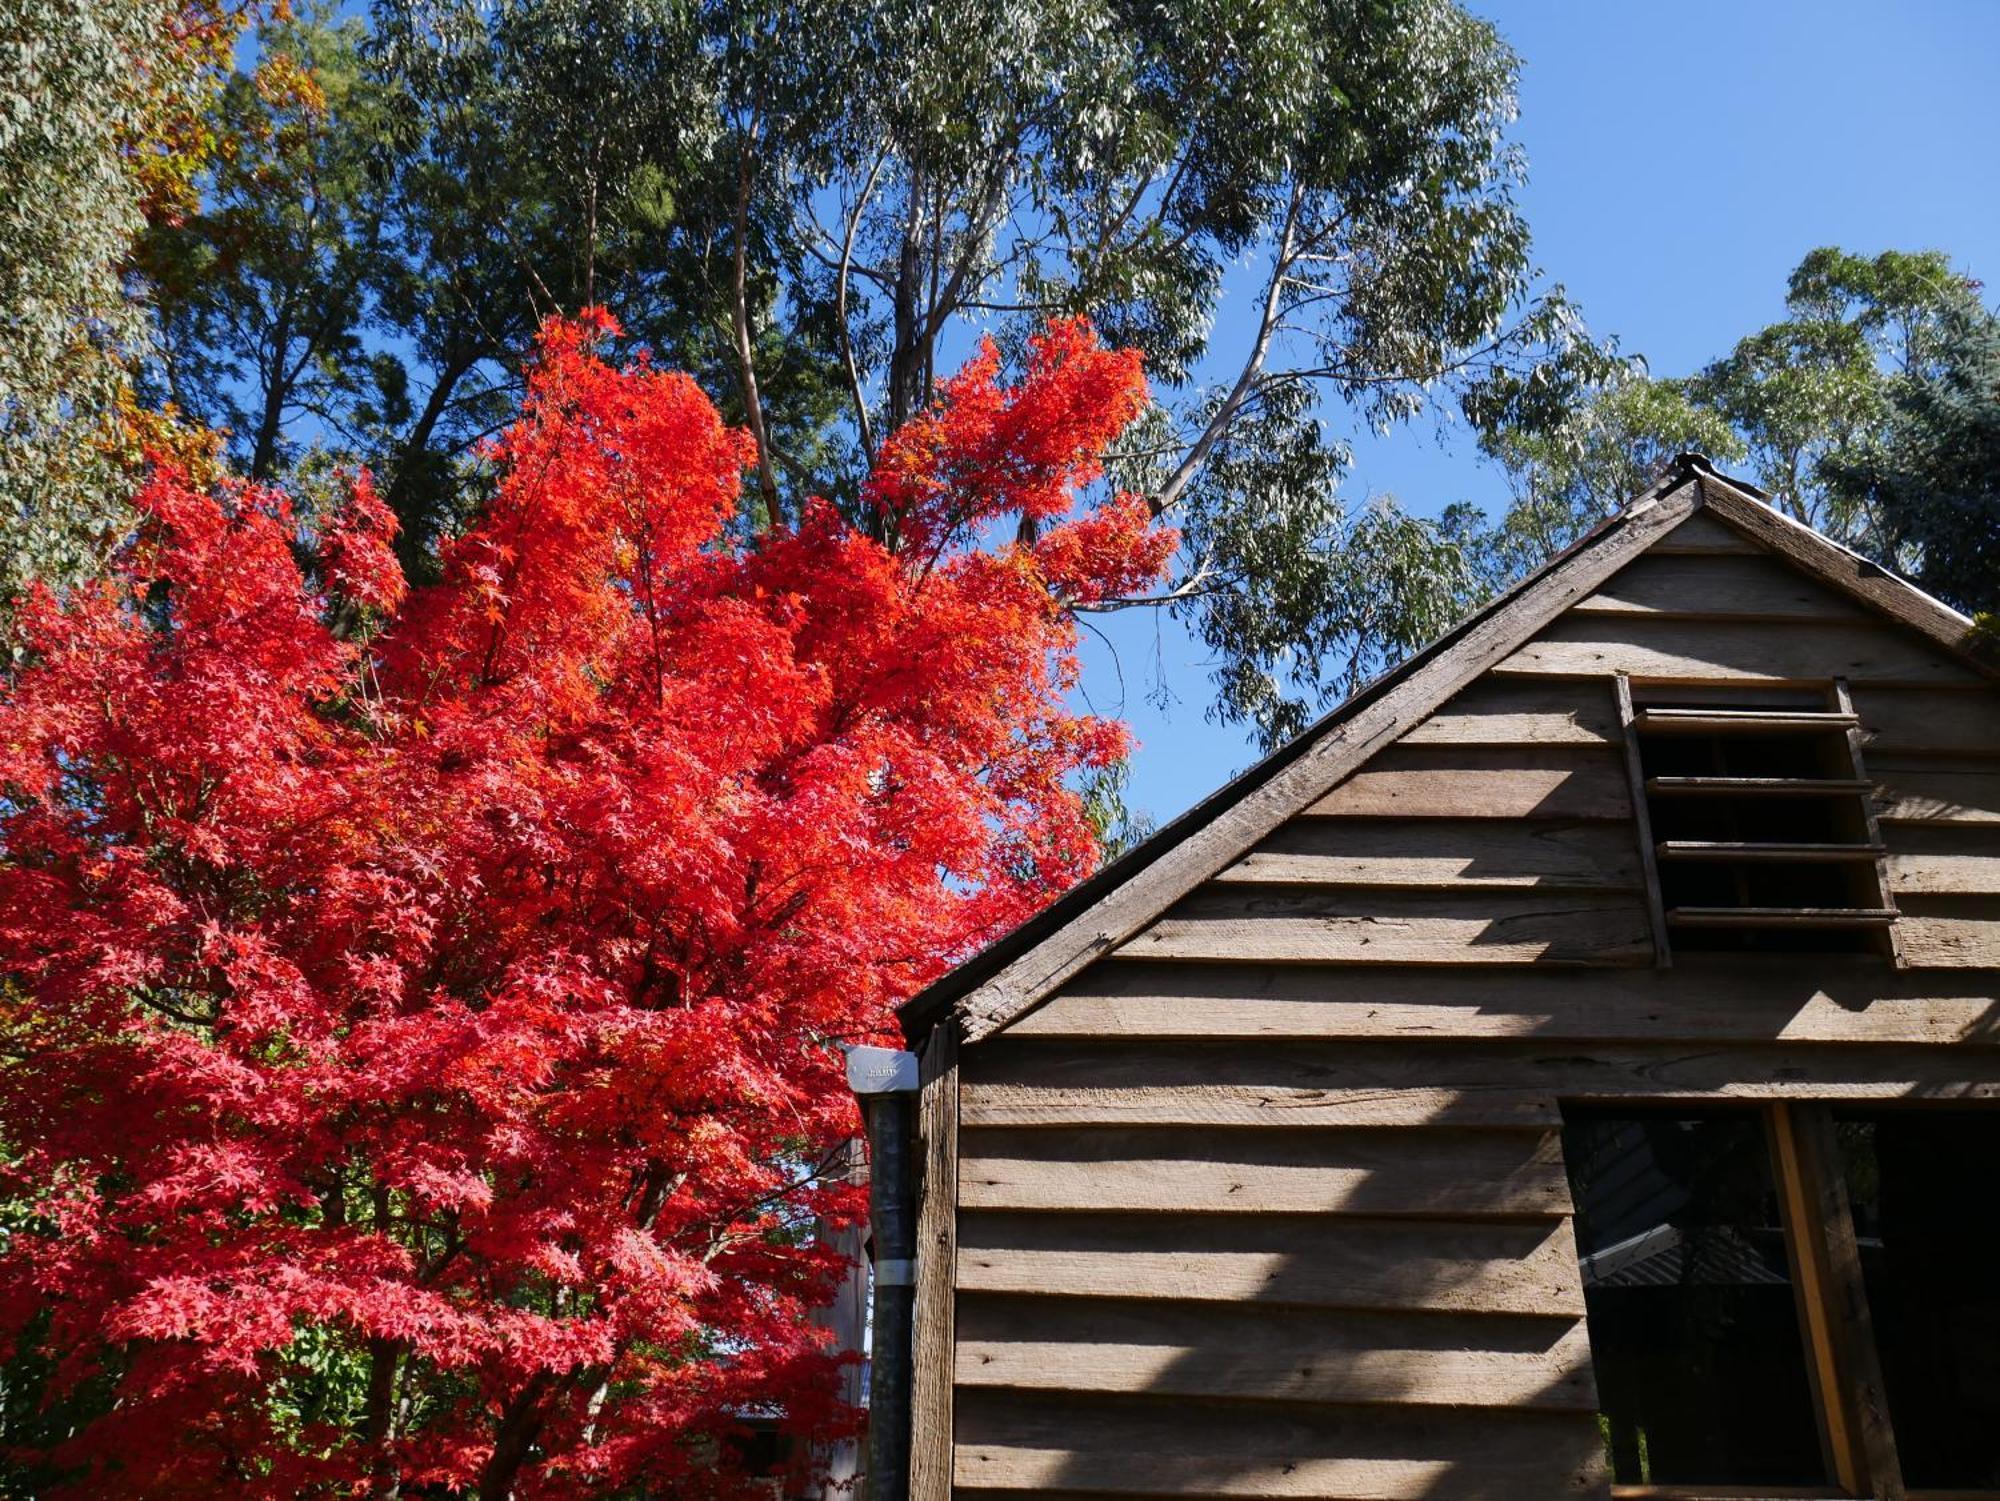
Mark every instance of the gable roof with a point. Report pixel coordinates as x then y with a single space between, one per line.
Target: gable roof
1017 972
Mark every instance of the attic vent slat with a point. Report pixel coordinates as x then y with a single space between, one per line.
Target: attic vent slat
1760 826
1665 721
1781 917
1743 849
1759 786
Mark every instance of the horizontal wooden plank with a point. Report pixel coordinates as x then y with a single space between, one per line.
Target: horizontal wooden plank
1244 1350
1944 874
1044 1084
1252 1105
1465 854
1744 1000
1183 1171
1701 535
1928 721
1683 721
1933 790
1432 781
1292 926
1739 695
1592 646
1781 917
1522 711
1737 851
1756 787
1741 587
1944 860
1739 1492
1949 932
1486 1267
1361 1453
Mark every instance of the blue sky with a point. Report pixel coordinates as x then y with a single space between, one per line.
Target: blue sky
1682 158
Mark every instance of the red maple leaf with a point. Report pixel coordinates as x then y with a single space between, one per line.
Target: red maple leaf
421 1012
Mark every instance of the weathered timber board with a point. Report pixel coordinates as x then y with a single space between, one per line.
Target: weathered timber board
1949 932
1724 588
1944 874
1471 1266
1362 1453
1703 536
1447 781
1252 1105
934 1343
1928 721
1522 711
1463 854
1927 790
1945 860
1697 1001
1335 924
1730 650
1044 1083
1272 1354
1181 1171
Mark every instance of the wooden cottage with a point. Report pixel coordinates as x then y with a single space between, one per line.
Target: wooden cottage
1570 1069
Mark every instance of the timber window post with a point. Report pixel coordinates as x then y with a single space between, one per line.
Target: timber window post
1833 1304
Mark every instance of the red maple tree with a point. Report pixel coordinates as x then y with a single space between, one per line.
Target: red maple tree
419 1015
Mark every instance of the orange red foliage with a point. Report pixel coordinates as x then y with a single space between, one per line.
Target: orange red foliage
420 1013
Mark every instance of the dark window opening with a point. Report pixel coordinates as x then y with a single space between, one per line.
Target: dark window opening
1927 1224
1749 1276
1762 834
1694 1327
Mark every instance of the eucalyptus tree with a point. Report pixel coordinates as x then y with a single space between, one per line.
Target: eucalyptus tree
1567 476
1836 411
413 194
1818 384
535 152
1302 212
93 139
262 292
1932 473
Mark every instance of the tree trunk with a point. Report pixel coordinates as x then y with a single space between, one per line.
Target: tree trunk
753 406
379 1427
416 529
907 358
518 1427
264 453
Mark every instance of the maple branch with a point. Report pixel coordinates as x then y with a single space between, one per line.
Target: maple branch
520 1421
152 1002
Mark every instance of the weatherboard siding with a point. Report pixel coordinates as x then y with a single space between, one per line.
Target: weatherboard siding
1269 1201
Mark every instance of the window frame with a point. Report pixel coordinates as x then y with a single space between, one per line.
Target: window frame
1850 1397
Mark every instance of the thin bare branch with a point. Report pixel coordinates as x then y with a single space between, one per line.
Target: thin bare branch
840 306
1253 365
